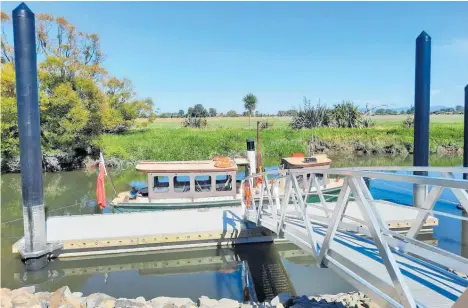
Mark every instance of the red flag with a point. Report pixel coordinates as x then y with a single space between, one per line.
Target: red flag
100 187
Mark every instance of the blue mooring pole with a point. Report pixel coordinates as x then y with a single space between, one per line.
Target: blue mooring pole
422 96
34 250
465 142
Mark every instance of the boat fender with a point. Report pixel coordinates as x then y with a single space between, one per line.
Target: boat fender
247 195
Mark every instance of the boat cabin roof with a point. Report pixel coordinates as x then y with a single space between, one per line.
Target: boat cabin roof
182 166
320 160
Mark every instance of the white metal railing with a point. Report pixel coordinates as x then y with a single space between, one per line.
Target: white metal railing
267 199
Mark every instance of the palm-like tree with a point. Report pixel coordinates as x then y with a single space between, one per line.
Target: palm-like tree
250 104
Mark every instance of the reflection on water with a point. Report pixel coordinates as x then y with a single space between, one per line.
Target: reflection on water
274 268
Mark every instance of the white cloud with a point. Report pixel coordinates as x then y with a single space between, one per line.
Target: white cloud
434 92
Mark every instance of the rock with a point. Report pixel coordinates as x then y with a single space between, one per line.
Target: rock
24 299
127 303
140 299
5 299
28 290
282 298
108 303
76 294
182 302
228 303
205 302
96 299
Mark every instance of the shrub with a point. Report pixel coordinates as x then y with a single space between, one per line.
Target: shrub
311 116
408 122
194 122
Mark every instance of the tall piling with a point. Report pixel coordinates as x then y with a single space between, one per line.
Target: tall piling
465 142
35 239
422 96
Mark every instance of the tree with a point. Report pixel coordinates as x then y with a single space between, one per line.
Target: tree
78 100
212 112
197 111
181 113
459 109
250 104
231 113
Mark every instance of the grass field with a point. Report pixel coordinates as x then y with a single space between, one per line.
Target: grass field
195 144
283 122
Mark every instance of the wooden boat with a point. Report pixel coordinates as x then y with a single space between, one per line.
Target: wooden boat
185 184
195 184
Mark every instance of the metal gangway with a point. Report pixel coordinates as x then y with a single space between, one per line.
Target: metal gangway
366 241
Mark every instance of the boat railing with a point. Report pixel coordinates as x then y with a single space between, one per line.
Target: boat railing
272 207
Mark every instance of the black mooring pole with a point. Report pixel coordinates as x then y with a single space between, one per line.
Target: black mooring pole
465 142
35 248
421 111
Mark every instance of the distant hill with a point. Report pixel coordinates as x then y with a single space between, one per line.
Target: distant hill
399 109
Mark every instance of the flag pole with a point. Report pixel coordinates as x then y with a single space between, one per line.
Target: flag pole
101 160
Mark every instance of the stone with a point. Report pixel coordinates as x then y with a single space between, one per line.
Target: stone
5 292
108 303
5 300
140 299
205 302
95 299
282 298
76 294
28 290
127 303
58 298
24 299
161 300
182 302
227 303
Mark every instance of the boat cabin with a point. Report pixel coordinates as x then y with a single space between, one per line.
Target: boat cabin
190 179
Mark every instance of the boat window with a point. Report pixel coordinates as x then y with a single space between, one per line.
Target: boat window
203 183
161 184
223 182
181 183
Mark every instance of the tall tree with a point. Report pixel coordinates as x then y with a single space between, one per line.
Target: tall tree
78 100
212 112
250 104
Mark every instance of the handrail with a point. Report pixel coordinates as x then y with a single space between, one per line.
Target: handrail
290 207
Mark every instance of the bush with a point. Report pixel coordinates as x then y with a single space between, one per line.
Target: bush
368 122
344 115
266 124
408 122
195 122
311 116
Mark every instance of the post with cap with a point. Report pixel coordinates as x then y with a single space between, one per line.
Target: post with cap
422 93
34 247
465 142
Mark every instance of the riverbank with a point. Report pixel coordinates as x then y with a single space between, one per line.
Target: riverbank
63 297
193 144
166 144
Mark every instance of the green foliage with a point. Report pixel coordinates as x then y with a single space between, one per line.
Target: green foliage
250 104
212 112
310 116
343 115
197 111
231 113
194 122
190 144
408 122
78 99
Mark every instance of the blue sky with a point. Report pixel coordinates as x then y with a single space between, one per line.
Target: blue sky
213 53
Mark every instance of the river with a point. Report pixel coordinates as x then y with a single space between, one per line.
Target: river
274 267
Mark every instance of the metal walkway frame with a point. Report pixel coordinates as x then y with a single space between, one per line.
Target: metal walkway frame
279 203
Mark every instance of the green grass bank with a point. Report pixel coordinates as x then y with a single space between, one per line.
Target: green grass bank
192 144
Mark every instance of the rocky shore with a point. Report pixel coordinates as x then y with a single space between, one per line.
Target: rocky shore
64 298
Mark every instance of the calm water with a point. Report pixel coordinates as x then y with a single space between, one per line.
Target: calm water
274 268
